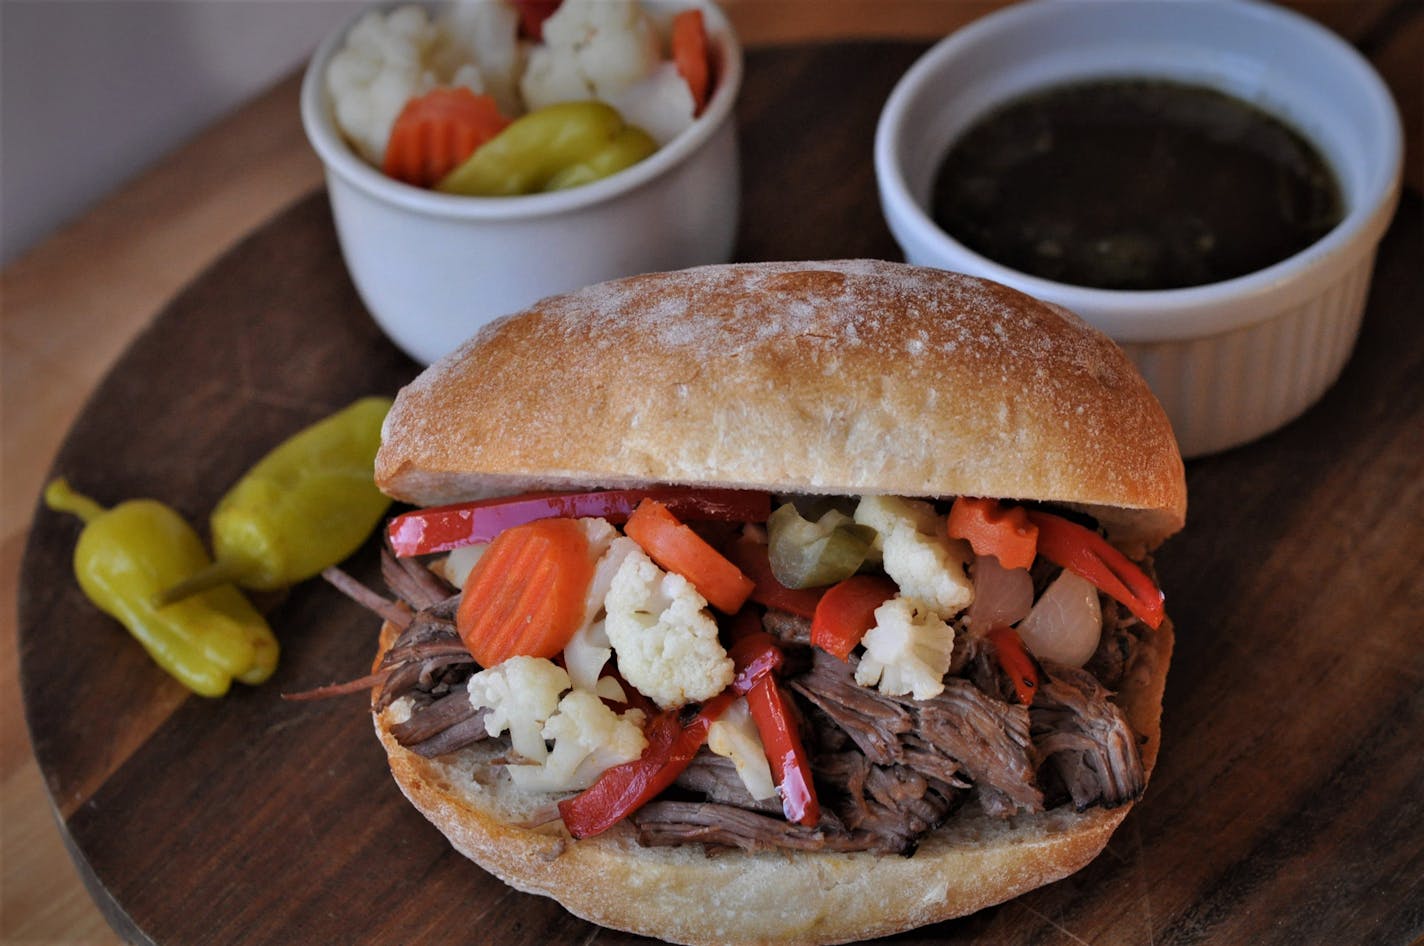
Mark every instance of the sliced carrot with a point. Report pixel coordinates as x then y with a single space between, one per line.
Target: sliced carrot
677 548
1006 534
693 56
437 131
525 596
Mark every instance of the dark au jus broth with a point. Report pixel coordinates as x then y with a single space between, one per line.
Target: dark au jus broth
1134 184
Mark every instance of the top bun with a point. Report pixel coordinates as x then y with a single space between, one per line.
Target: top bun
843 377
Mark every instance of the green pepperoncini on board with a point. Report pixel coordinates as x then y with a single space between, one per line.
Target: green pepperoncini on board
128 554
303 507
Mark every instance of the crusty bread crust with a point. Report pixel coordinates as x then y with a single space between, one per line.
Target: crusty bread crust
844 377
685 895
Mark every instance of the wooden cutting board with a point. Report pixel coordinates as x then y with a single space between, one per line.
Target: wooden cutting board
1286 807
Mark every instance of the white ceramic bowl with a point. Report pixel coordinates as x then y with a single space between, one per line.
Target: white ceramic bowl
1232 360
432 267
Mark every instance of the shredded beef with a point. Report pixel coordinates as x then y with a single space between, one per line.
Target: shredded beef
716 777
961 737
786 627
981 666
1116 647
876 808
442 725
429 663
1085 741
984 737
888 807
691 822
429 656
416 585
875 724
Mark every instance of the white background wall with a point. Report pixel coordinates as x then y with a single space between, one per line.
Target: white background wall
94 91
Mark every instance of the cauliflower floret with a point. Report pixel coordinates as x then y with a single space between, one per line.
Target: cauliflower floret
660 103
389 59
588 738
586 654
591 49
665 638
907 651
456 566
608 548
918 554
589 649
521 693
735 736
487 32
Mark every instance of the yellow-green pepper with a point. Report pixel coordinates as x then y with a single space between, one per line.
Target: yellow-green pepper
128 554
305 506
551 148
812 554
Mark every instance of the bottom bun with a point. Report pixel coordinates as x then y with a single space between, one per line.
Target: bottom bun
684 895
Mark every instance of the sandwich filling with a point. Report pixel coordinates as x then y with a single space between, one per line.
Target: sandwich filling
741 671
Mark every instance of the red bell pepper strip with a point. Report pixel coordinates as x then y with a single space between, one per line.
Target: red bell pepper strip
1015 661
754 561
847 611
1088 555
994 530
532 14
442 528
625 788
755 654
781 738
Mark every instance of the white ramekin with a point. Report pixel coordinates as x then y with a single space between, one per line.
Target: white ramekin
1230 361
432 268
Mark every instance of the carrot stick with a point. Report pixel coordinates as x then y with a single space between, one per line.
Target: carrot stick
677 548
692 55
437 131
525 596
990 529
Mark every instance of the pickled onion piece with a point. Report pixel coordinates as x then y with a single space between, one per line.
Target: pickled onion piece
1002 596
1066 622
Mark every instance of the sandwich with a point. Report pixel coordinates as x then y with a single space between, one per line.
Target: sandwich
777 602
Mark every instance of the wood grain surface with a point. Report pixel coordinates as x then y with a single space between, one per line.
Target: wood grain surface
1286 806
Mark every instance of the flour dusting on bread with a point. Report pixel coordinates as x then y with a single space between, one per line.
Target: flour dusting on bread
833 377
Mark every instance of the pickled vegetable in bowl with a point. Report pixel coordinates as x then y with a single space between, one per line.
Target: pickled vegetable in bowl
568 192
506 97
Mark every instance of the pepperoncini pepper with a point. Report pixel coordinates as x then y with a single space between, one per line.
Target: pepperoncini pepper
812 554
559 146
128 554
305 506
